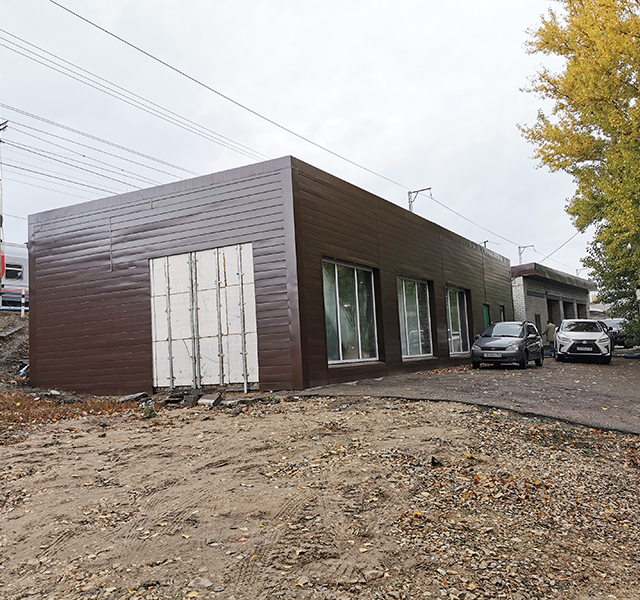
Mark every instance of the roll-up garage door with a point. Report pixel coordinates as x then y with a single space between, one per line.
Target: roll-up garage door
204 318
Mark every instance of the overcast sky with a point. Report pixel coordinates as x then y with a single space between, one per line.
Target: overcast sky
421 92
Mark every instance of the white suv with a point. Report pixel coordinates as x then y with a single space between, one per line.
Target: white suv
577 338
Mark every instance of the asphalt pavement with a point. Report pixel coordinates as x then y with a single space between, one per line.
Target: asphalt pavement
585 393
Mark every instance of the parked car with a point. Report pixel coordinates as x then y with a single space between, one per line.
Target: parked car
577 338
508 342
614 327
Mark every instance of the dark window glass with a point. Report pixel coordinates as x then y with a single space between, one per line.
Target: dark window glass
13 271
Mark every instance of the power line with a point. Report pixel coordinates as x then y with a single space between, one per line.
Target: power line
127 96
42 187
68 164
554 259
17 125
455 212
261 116
561 245
95 138
51 156
61 174
11 166
229 99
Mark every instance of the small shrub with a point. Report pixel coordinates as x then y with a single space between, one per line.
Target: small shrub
148 409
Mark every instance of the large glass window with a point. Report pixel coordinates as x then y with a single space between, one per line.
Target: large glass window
349 309
415 323
458 321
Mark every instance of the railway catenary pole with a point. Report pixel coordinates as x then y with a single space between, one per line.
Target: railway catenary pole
3 126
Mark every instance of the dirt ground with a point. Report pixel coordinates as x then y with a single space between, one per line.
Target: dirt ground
320 497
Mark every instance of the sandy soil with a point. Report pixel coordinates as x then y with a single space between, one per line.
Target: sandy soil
316 497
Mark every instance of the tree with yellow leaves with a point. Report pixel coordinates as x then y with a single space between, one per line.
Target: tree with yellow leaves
592 131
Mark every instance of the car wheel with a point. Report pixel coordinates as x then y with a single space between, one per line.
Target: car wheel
475 364
605 360
540 361
525 359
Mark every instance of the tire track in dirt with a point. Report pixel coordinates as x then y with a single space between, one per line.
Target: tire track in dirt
250 576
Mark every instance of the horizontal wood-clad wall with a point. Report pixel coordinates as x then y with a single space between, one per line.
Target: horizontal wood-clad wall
337 220
90 324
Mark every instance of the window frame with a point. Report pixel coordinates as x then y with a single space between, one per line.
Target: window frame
403 311
356 268
458 291
14 268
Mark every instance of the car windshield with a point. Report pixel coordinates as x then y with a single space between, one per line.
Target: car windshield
504 330
582 326
612 322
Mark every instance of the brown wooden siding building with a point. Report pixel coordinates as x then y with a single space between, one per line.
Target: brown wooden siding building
408 294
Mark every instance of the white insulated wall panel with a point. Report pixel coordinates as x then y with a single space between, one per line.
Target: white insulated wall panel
204 318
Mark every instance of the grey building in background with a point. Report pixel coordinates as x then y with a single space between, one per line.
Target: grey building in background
541 294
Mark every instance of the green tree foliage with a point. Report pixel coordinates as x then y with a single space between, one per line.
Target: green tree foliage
592 131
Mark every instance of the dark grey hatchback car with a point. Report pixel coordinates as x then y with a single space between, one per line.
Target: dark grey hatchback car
508 342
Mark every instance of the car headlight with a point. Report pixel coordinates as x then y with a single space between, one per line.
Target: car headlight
563 338
476 347
603 339
513 346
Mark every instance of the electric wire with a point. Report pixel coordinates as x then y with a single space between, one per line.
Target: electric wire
455 212
554 259
228 98
240 105
267 119
12 166
52 156
17 125
114 168
48 170
67 164
42 187
126 96
95 138
561 245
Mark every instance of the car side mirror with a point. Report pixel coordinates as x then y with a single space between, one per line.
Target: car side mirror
610 328
532 336
476 336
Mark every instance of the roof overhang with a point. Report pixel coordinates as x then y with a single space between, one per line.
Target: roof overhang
546 274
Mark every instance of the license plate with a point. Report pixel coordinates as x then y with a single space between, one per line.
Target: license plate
492 355
583 348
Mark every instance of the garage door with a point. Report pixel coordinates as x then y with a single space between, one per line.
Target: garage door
204 318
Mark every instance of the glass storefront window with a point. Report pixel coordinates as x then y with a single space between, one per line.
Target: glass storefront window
349 307
415 321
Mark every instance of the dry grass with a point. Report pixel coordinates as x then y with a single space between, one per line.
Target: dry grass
20 412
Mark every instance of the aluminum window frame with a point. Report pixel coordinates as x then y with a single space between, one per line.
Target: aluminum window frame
404 279
355 267
458 291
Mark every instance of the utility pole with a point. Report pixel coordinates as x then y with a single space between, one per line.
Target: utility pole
3 126
413 195
521 250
